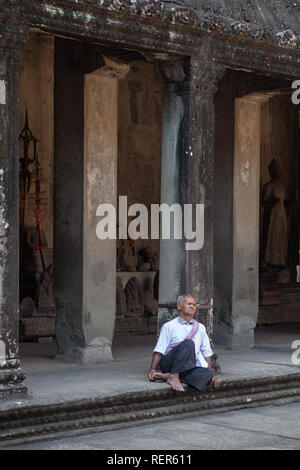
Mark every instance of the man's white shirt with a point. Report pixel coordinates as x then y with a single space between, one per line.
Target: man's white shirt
176 331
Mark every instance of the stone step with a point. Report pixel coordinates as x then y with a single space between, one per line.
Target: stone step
125 409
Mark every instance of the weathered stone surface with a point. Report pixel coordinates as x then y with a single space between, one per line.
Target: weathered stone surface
247 146
278 304
228 16
156 286
199 170
32 260
10 39
225 335
155 262
113 68
191 269
150 303
144 267
84 281
121 265
36 82
147 254
150 260
233 32
68 202
31 257
99 350
14 31
36 326
130 325
139 108
69 338
126 408
170 282
100 187
134 298
44 294
27 308
121 300
152 325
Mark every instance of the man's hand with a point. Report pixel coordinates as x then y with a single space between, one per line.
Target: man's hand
216 381
151 374
154 364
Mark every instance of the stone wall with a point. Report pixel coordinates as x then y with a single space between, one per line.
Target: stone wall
36 86
139 140
36 83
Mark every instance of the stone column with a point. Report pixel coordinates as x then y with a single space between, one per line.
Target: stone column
243 262
100 187
187 178
85 178
197 177
171 279
11 375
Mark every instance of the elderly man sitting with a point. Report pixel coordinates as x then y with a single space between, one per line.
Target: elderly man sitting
183 351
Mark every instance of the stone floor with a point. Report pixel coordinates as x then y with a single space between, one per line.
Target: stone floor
53 381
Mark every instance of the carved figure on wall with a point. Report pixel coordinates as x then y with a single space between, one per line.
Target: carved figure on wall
150 260
275 222
32 238
134 298
44 294
126 255
121 265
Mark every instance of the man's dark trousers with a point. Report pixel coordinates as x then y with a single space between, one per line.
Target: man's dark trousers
182 360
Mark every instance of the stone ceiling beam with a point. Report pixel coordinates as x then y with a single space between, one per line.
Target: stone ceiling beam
152 26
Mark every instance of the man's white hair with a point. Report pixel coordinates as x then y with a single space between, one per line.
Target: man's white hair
181 297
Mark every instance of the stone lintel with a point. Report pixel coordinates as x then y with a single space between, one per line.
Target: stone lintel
180 30
13 31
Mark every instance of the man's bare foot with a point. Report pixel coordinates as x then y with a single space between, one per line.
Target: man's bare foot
161 376
174 382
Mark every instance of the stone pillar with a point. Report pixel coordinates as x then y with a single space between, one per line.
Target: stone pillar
244 261
187 177
198 169
100 187
11 375
172 256
85 177
68 197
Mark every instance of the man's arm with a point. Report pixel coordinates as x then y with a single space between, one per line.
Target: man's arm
215 379
208 360
154 364
159 350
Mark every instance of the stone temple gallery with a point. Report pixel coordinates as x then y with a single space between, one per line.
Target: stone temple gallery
178 103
